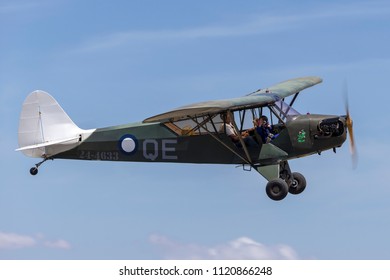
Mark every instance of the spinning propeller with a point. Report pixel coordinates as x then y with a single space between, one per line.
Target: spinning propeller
349 124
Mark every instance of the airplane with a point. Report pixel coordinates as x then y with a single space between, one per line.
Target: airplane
196 133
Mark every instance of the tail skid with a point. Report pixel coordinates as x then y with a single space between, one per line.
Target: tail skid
45 129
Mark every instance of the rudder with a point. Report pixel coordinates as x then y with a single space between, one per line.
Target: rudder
44 127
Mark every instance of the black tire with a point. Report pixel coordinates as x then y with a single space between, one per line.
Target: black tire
276 189
34 171
298 184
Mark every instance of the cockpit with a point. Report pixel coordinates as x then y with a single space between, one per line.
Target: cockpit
277 113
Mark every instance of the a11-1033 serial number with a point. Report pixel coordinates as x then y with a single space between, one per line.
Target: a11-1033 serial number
231 270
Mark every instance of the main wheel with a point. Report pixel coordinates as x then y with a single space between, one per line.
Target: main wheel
277 189
298 184
34 171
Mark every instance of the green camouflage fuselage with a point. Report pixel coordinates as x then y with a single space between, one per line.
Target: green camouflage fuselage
156 142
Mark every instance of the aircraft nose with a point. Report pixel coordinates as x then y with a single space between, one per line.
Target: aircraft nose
343 119
332 126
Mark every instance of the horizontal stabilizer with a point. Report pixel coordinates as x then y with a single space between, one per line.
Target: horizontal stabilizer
48 143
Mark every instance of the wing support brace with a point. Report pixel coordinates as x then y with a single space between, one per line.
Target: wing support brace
246 160
240 138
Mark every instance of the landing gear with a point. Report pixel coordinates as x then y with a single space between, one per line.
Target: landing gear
282 181
298 183
34 170
277 189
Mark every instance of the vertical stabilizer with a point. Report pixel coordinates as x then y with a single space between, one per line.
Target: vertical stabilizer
44 127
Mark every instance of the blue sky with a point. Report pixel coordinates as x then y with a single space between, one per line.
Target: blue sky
117 62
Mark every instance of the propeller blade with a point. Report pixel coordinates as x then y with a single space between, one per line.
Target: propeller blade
349 124
352 145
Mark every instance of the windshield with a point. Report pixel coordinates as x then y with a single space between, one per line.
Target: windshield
285 111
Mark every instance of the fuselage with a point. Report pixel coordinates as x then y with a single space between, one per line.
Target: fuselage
158 142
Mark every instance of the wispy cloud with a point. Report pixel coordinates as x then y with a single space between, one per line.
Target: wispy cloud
16 7
19 241
243 248
15 241
116 39
57 244
252 25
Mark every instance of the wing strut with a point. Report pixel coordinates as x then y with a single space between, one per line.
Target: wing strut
198 125
202 124
291 104
276 114
240 137
293 100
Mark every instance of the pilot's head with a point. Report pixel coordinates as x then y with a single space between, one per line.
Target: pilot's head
263 120
225 117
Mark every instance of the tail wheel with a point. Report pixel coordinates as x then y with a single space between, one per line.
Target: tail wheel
277 189
298 183
34 171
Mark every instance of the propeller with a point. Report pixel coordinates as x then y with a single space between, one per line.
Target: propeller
349 124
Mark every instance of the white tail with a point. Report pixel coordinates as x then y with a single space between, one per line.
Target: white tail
44 127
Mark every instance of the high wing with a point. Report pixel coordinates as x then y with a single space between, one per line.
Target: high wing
259 98
289 87
214 107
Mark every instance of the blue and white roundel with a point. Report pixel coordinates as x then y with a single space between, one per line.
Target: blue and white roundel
128 144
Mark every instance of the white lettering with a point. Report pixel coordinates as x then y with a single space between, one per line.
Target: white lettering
154 144
151 151
166 149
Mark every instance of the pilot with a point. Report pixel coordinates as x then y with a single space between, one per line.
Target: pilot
232 133
265 130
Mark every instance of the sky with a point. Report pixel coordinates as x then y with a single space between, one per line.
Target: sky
117 62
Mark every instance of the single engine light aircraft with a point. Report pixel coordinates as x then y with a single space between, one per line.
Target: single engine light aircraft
212 132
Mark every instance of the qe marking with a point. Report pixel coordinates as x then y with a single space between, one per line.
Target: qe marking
168 149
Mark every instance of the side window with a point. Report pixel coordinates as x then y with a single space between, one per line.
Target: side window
196 126
245 119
